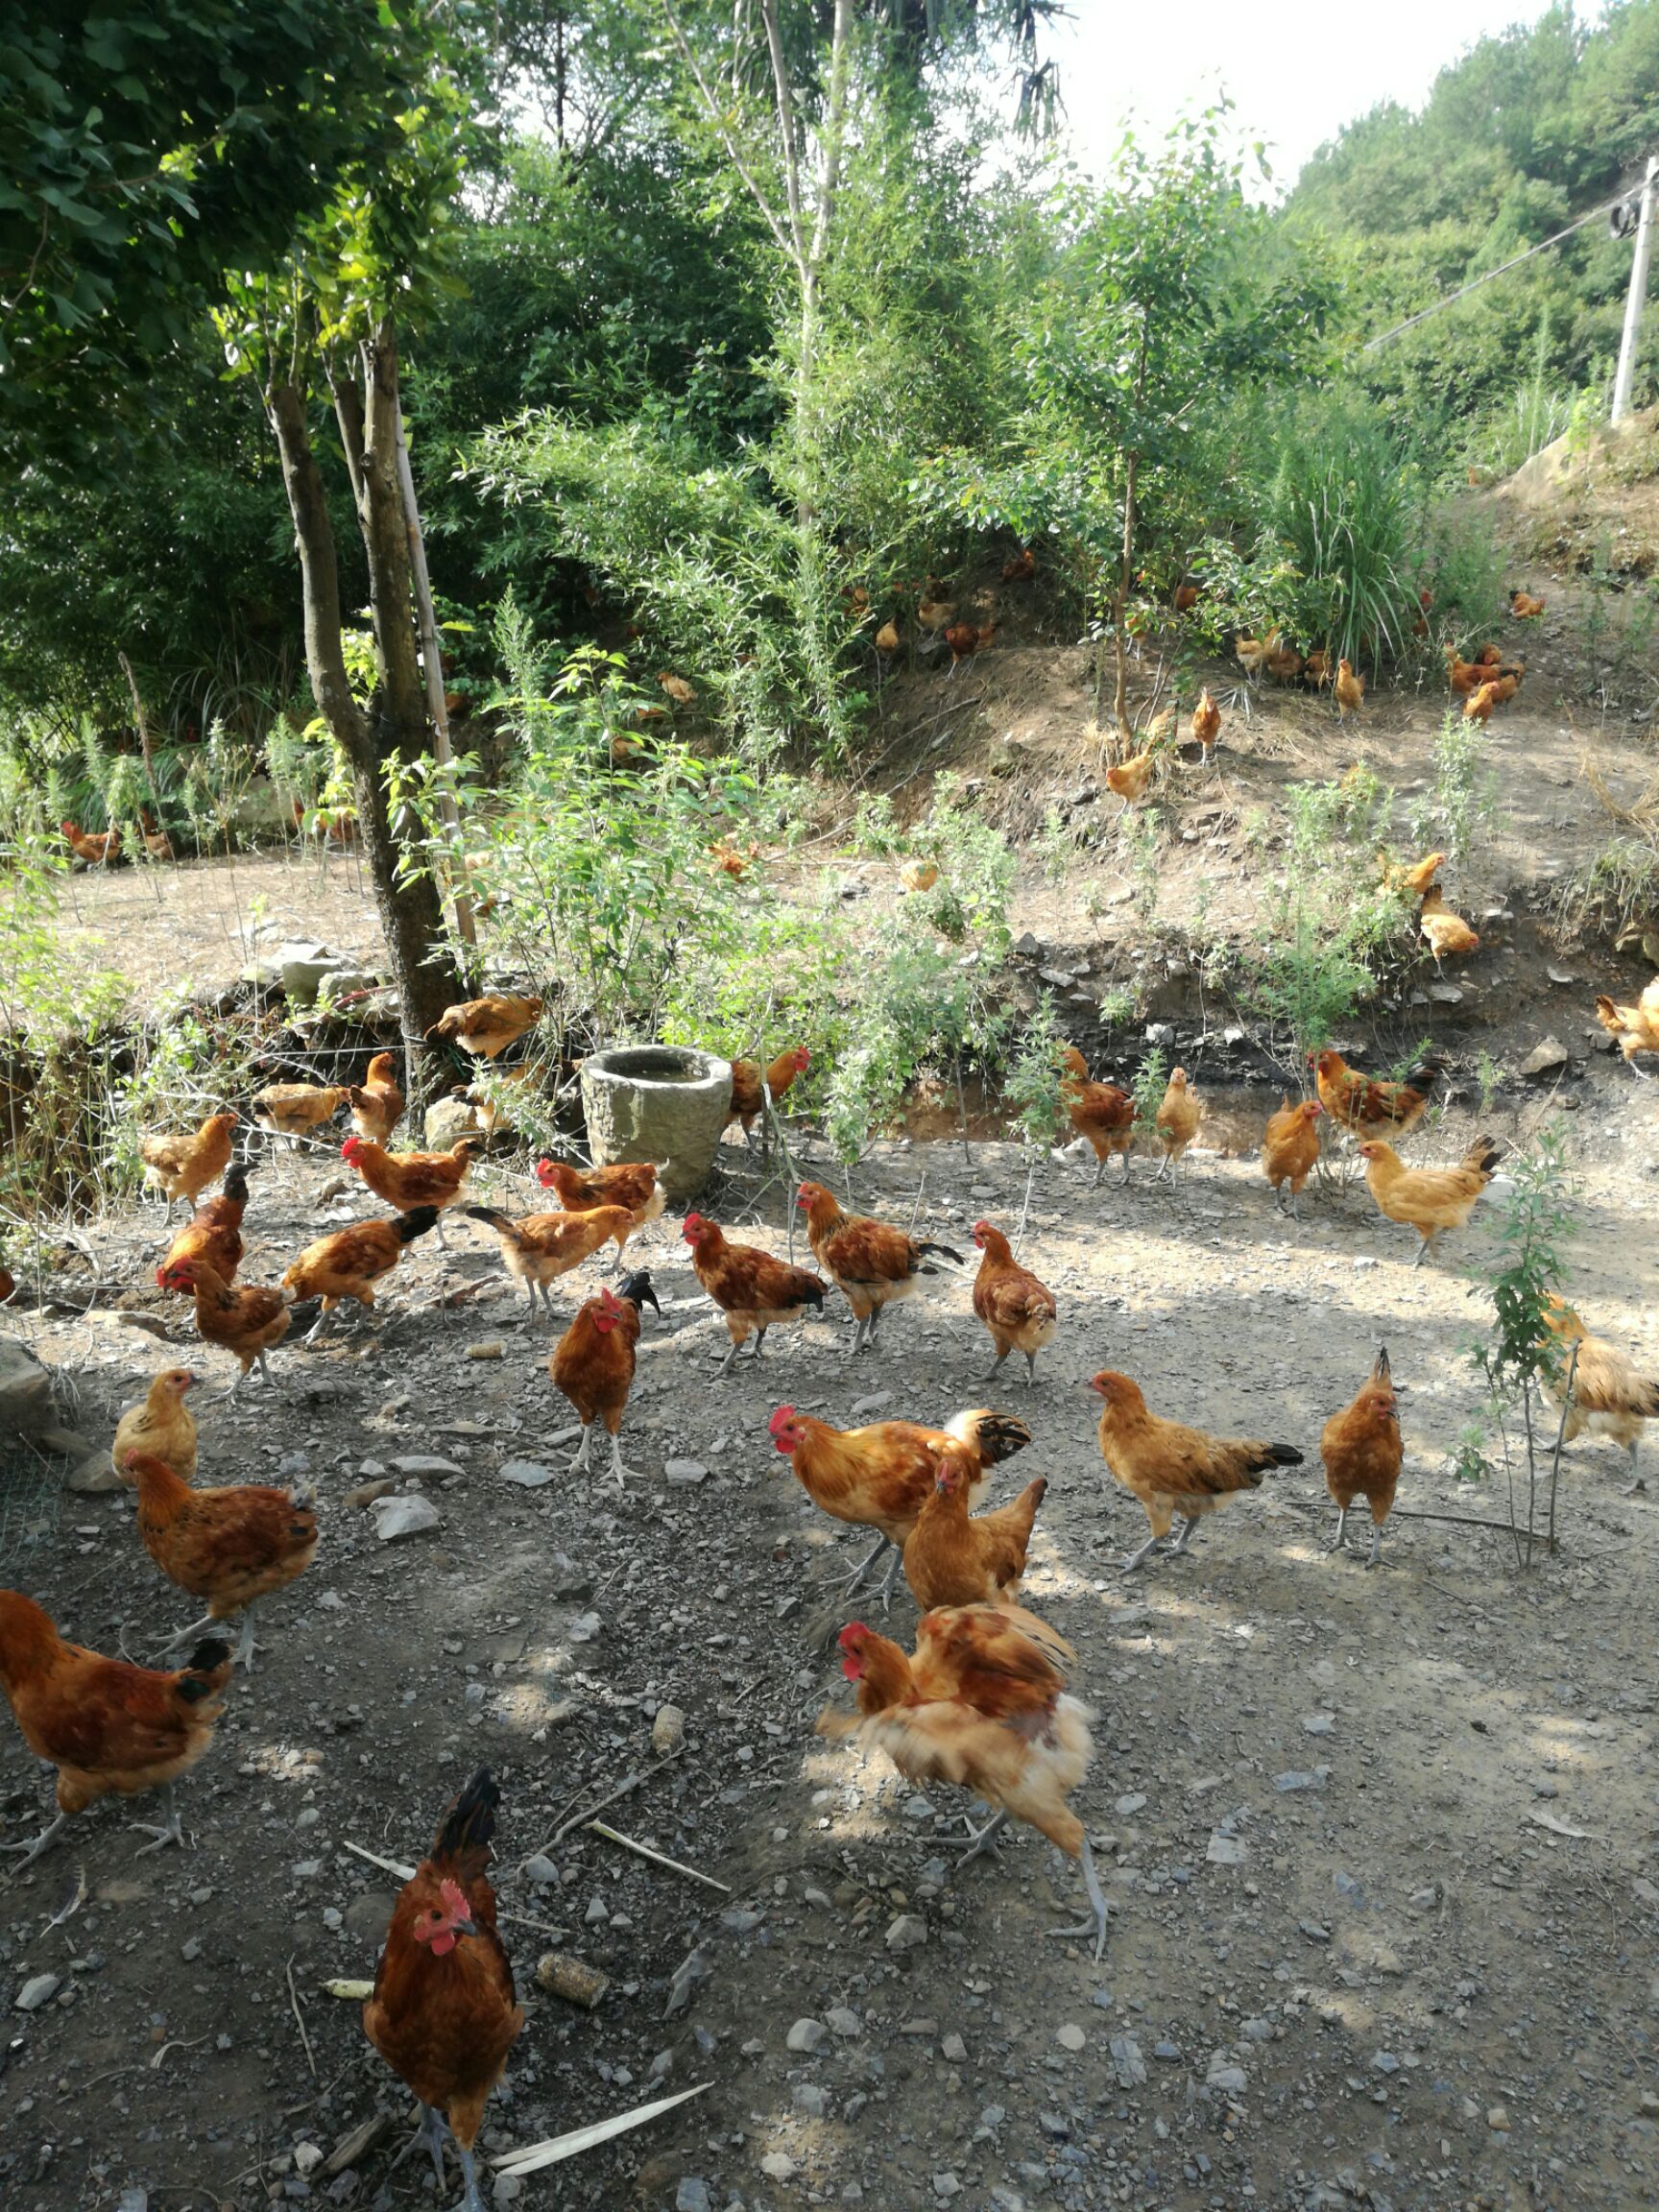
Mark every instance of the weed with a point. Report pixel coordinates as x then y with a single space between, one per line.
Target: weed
1151 1080
1463 799
1032 1085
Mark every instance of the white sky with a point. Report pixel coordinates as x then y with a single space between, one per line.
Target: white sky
1296 70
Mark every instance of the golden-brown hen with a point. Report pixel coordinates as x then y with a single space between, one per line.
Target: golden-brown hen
748 1101
1363 1455
594 1364
298 1110
246 1318
1429 1199
1367 1106
539 1248
1100 1112
349 1263
161 1423
752 1290
232 1546
184 1166
871 1264
1172 1469
953 1557
377 1102
1608 1397
1636 1029
486 1026
1019 1312
1290 1149
1179 1114
413 1181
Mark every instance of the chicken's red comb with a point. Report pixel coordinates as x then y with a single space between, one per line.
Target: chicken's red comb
454 1900
853 1628
784 1413
692 1221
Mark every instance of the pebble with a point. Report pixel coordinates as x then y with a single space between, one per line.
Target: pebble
871 1405
806 2036
694 2195
667 1731
405 1516
584 1628
37 1991
426 1463
597 1914
307 2156
540 1870
1224 2073
528 1474
190 1950
810 2098
842 2020
1126 2058
954 2050
492 1348
1319 1723
946 2185
778 2166
1225 1850
907 1932
1132 1803
1070 2037
686 1473
508 2188
1496 2119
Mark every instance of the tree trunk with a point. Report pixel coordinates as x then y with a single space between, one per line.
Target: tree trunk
410 915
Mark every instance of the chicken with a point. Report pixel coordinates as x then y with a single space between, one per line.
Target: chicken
967 639
1206 726
1172 1469
1482 704
214 1230
247 1319
725 859
1179 1114
1635 1027
298 1110
594 1364
1290 1149
161 1423
1285 665
1184 598
232 1546
1316 669
1419 878
1523 606
350 1262
184 1166
1019 1312
882 1476
1132 778
870 1262
936 615
751 1288
1609 1398
887 639
112 1730
1251 653
156 842
1448 936
631 1184
1368 1107
444 2013
918 875
683 693
486 1026
539 1248
1363 1455
980 1704
93 850
747 1102
1349 688
1465 677
1100 1112
376 1102
1429 1199
951 1558
429 1181
1023 566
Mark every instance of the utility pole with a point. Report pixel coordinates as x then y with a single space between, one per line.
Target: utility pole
1633 305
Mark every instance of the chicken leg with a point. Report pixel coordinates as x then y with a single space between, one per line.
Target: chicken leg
619 1468
29 1852
1096 1927
243 1655
170 1831
431 2135
1340 1542
982 1841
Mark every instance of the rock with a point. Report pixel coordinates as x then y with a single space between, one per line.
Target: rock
1225 2074
307 2157
1545 1058
1159 1033
1225 1850
1319 1723
507 2188
1134 1802
667 1731
26 1406
425 1464
1285 1784
1496 2119
92 1476
863 1407
841 2020
584 1628
807 2035
447 1121
954 2050
907 1932
39 1990
778 2166
571 1979
945 2186
687 1473
528 1474
540 1870
694 2195
368 1915
693 1969
598 1913
404 1516
1071 2038
1127 2060
808 2098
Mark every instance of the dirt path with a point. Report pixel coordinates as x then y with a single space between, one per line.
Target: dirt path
1350 1959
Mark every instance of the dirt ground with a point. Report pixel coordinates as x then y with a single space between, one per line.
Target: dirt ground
1382 1849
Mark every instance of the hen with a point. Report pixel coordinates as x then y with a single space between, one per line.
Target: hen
1179 1114
870 1262
952 1559
1131 779
1609 1398
1349 689
1636 1029
981 1703
748 1100
1447 935
486 1026
161 1424
444 2013
111 1729
1019 1312
594 1364
426 1181
298 1110
1172 1469
540 1247
247 1319
376 1102
1100 1112
232 1546
1366 1106
1205 726
632 1185
1363 1455
1429 1199
1290 1149
92 849
184 1166
214 1230
351 1262
882 1476
752 1290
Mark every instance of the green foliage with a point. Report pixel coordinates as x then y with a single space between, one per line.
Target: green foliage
1616 890
1032 1085
1151 1081
1463 797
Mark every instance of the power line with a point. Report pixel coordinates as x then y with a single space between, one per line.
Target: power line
1463 291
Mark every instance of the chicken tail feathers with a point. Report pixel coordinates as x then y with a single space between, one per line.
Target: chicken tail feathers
469 1825
995 1437
205 1673
1426 1073
636 1287
492 1220
1483 1155
945 1253
416 1224
1381 1372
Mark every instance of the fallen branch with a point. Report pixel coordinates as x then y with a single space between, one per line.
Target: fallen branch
536 2155
659 1858
299 2016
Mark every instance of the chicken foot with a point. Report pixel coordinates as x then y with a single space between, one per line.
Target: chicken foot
1096 1927
981 1842
29 1852
170 1831
431 2135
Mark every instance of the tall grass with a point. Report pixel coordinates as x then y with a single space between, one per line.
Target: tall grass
1345 507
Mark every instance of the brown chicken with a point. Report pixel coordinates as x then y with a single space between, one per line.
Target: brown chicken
593 1362
1184 598
445 2014
1179 1114
630 1185
1132 778
1318 669
980 1704
1465 677
1523 606
427 1181
936 615
298 1110
537 1248
377 1102
1447 935
1172 1469
1206 726
1349 689
1019 1312
112 1730
232 1546
1366 1106
1363 1455
161 1424
747 1102
156 842
1099 1112
1418 879
1251 653
1482 704
350 1262
247 1319
214 1230
679 690
486 1026
1429 1199
882 1476
94 850
966 639
870 1262
953 1558
1290 1149
918 875
1635 1027
1023 566
887 639
1285 665
754 1291
184 1166
1609 1398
